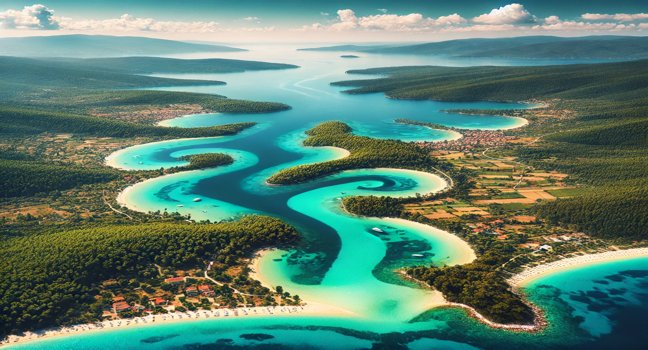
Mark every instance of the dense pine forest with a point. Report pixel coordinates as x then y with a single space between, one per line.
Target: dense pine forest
365 153
207 160
52 278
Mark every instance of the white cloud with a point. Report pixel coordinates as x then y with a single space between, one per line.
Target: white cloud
509 14
552 20
251 18
621 17
453 19
348 20
128 23
382 10
324 13
36 16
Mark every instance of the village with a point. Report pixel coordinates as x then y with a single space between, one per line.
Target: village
188 293
500 204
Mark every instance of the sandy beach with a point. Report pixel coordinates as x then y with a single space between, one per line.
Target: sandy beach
310 309
454 135
340 152
528 275
520 123
319 308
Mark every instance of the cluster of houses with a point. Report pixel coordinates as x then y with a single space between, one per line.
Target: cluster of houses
192 291
120 305
472 139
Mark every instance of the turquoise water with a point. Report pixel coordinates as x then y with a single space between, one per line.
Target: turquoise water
600 296
343 261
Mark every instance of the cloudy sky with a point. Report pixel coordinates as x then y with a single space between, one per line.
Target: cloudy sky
323 20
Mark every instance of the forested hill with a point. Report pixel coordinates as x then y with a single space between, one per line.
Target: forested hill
532 47
614 81
604 147
149 65
18 73
75 84
111 73
100 46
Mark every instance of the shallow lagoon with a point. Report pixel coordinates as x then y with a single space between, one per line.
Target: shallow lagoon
342 262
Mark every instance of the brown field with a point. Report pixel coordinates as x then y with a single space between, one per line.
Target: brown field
440 214
536 194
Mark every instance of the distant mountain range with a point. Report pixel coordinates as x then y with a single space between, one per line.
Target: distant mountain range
590 47
100 46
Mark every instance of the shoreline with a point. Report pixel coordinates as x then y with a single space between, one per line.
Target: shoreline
308 309
255 274
529 275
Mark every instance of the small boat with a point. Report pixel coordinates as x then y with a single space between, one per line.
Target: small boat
376 229
180 205
197 199
418 255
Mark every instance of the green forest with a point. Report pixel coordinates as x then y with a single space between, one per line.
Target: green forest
365 153
26 178
52 278
207 160
476 284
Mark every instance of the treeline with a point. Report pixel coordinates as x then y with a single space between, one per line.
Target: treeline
366 152
207 160
478 285
52 278
26 177
29 121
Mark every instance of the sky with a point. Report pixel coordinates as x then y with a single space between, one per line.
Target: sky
323 20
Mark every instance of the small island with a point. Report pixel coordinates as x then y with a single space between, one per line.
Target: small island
349 56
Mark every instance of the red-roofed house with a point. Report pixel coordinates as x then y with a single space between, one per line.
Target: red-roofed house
191 291
175 280
121 306
206 290
159 301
